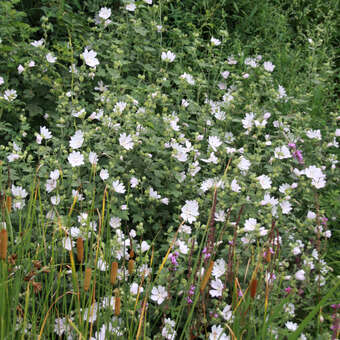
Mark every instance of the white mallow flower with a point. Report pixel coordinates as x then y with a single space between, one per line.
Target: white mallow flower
268 66
215 42
286 207
313 134
168 56
154 194
225 74
234 186
219 268
126 141
67 243
45 133
51 58
75 158
227 313
18 192
212 159
54 174
134 288
247 122
292 326
189 78
220 216
244 164
190 211
104 13
282 152
218 334
10 95
318 178
131 7
90 58
55 200
134 182
159 294
118 187
104 174
115 222
144 246
77 140
93 158
214 142
250 224
311 215
168 331
265 181
300 275
217 288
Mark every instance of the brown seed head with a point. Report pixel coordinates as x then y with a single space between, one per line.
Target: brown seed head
3 244
114 270
87 279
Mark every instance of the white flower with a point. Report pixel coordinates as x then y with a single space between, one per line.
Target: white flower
75 158
313 134
220 216
104 174
102 265
225 74
215 42
212 159
90 58
286 207
10 95
118 187
54 174
159 294
217 286
55 200
190 211
300 275
168 331
77 140
318 178
20 69
282 152
134 288
93 158
126 141
168 56
282 92
234 186
51 58
165 200
250 224
38 43
189 78
214 142
134 182
311 215
18 192
12 157
149 2
292 326
268 66
247 122
2 80
265 181
115 222
45 133
50 185
154 194
119 107
217 333
244 164
104 13
131 7
67 243
219 268
144 246
227 313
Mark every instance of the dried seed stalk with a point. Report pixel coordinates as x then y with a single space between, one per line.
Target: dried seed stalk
207 276
3 244
131 266
114 271
80 249
87 279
